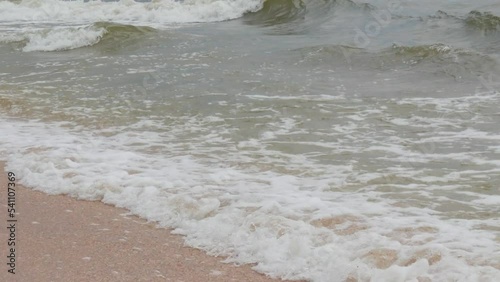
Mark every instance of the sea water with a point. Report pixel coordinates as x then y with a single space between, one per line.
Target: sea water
317 139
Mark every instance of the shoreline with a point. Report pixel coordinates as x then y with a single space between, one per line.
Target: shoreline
59 238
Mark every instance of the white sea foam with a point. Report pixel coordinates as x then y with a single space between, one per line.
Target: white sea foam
291 225
125 11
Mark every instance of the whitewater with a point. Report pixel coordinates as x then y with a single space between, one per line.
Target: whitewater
265 132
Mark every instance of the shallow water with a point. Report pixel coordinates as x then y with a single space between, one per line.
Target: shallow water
322 140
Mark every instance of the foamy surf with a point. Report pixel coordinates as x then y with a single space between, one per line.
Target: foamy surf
74 24
57 39
311 224
125 11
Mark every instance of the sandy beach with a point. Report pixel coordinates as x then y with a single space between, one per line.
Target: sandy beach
59 238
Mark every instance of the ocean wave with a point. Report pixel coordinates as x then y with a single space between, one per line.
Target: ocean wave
107 35
277 12
423 51
125 11
296 16
119 36
483 21
444 59
63 38
440 59
418 52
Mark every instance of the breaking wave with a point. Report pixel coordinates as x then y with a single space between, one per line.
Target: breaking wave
125 11
109 35
296 16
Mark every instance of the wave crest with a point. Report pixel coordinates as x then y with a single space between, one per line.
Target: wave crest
125 11
107 35
483 21
294 16
63 38
277 12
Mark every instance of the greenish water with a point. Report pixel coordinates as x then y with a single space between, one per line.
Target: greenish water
243 124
